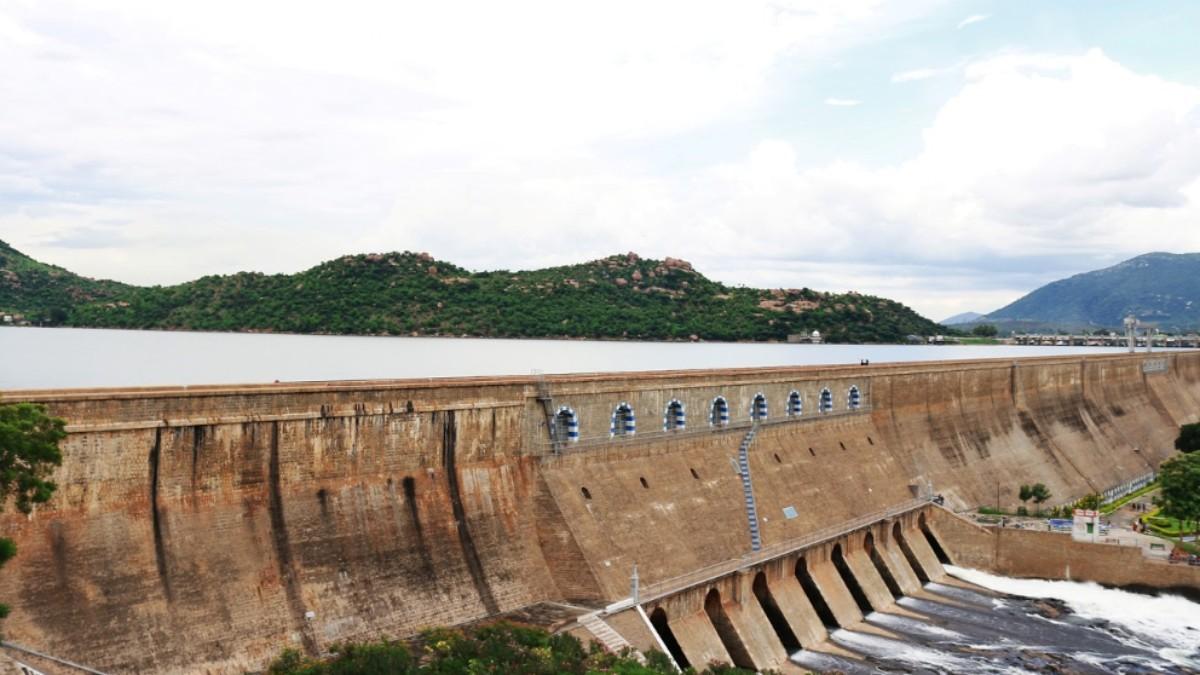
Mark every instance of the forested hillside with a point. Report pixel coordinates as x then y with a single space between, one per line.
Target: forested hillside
1162 289
413 294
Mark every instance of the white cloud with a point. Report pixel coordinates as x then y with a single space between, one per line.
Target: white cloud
159 144
974 18
914 75
1041 163
843 102
229 124
919 74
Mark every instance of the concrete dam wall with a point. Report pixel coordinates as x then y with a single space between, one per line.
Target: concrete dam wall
202 529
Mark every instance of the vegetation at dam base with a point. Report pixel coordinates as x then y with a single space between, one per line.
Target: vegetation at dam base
29 441
1180 498
498 649
619 297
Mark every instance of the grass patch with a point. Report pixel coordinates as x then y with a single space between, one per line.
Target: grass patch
1167 526
1109 508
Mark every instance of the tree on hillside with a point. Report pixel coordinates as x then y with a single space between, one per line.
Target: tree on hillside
1189 438
29 451
985 330
1025 494
1039 493
1180 481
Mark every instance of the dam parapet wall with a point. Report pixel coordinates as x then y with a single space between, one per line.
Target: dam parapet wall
205 528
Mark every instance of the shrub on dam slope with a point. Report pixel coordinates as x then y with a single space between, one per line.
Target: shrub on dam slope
497 648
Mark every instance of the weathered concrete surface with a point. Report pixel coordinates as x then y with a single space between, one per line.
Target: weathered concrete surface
835 593
901 571
699 640
798 611
196 528
869 580
926 558
756 633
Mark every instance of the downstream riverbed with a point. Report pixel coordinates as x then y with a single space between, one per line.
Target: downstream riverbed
1031 625
37 358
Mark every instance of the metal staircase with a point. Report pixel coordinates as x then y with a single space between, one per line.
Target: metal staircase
748 488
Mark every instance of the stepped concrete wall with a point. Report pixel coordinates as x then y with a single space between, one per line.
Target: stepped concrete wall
202 529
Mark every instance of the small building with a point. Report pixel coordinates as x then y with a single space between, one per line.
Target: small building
8 318
1086 525
805 338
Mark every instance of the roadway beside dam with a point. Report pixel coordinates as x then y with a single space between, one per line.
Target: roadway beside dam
202 529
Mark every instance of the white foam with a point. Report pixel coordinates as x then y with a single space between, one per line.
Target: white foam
903 623
1167 624
914 654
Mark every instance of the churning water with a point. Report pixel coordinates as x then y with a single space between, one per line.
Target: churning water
1029 625
82 357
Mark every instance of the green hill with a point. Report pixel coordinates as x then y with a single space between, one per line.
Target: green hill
1162 289
412 294
45 293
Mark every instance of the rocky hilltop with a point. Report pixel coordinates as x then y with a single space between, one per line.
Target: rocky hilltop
621 296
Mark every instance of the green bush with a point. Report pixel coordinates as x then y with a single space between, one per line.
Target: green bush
496 649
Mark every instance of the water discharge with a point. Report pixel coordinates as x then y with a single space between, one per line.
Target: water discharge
1167 623
1020 626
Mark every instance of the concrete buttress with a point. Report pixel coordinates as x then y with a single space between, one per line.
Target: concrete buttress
925 555
901 571
869 580
835 593
699 640
798 611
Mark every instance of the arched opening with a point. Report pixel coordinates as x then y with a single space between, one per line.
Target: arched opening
795 406
814 594
719 415
881 566
674 418
933 541
658 619
725 630
566 425
623 422
694 474
587 494
644 483
758 407
854 398
812 452
775 615
826 401
860 598
898 536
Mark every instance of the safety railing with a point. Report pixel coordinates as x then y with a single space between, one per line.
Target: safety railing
54 659
584 443
703 575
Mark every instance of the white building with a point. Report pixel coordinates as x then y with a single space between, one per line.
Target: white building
1087 525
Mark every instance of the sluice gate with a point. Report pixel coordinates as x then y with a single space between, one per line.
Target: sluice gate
773 607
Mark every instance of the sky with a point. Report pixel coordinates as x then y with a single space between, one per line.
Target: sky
952 156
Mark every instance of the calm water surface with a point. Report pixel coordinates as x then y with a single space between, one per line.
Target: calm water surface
36 358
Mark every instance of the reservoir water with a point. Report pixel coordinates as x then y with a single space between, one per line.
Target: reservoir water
37 358
1029 625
